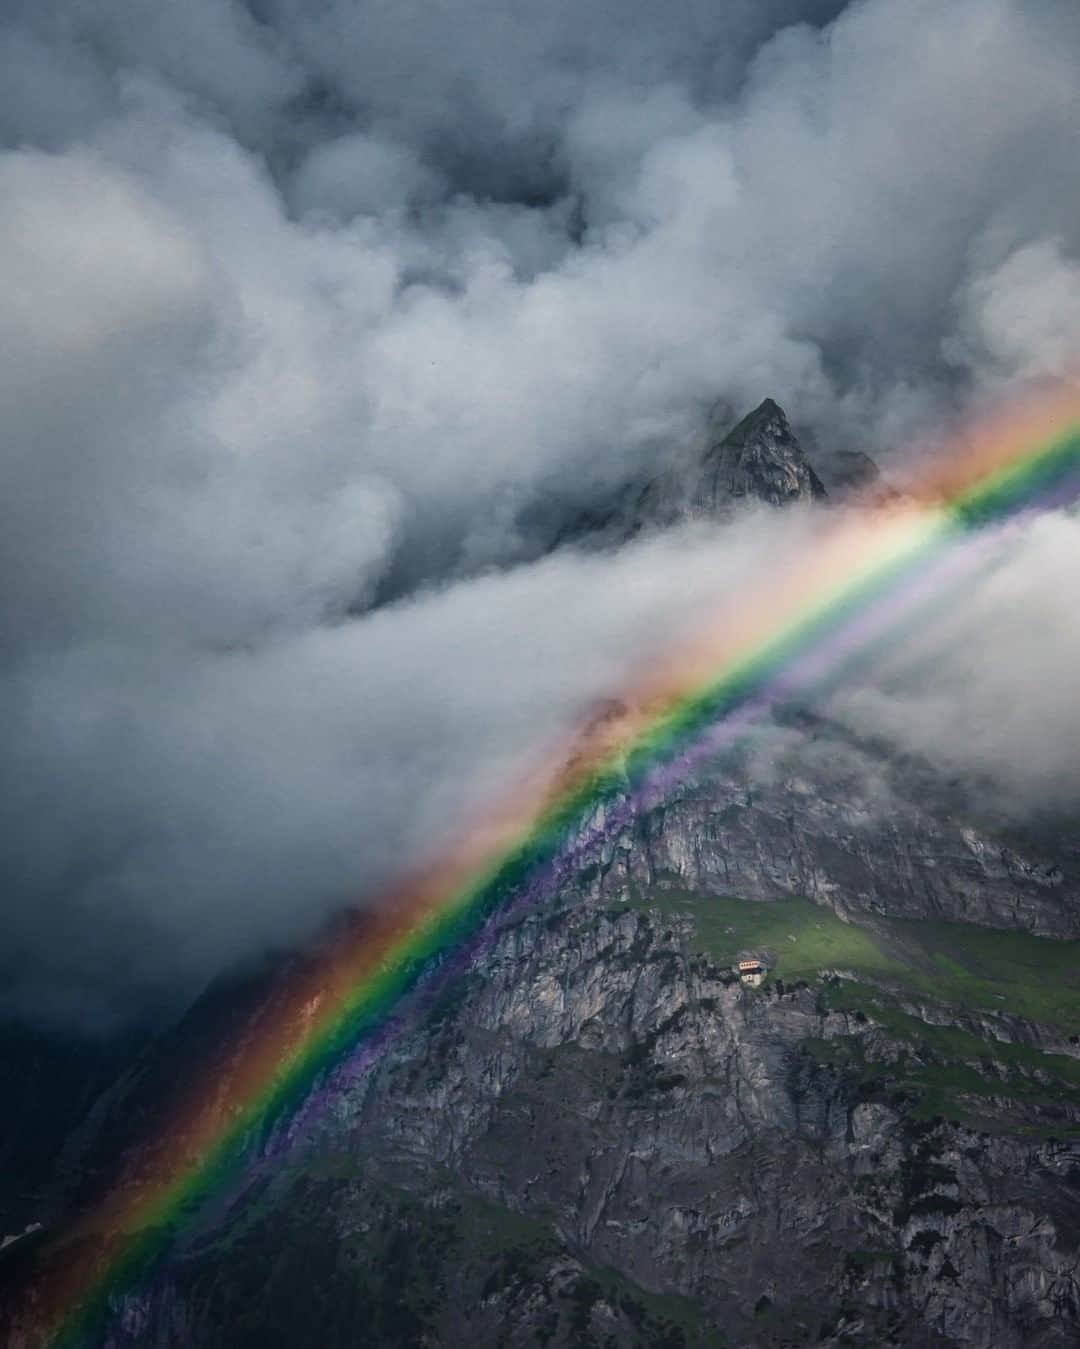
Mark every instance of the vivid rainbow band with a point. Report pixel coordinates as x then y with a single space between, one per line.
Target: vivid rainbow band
868 571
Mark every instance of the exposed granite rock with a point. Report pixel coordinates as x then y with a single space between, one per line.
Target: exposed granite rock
846 826
660 1128
603 1118
759 460
596 1118
765 842
599 1137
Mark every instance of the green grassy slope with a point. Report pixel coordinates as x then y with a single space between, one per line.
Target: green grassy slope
956 963
980 1080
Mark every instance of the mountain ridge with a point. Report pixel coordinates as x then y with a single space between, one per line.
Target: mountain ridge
759 459
599 1134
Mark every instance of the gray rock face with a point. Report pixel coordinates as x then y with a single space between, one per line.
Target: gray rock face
858 854
597 1118
599 1136
603 1120
808 810
759 460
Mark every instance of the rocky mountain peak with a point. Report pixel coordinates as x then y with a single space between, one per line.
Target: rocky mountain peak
767 415
760 458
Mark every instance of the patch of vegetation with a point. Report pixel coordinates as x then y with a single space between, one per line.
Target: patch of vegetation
976 968
986 1095
660 1320
950 1071
795 1321
940 1069
388 1277
859 1261
513 1252
490 1228
958 964
992 969
802 937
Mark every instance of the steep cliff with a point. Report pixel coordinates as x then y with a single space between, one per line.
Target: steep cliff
852 828
601 1136
758 460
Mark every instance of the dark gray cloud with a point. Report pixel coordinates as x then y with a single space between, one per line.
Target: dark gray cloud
304 304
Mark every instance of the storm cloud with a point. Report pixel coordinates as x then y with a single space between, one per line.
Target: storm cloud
305 305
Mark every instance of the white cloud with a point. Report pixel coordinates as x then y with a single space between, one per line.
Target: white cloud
1020 321
304 308
988 690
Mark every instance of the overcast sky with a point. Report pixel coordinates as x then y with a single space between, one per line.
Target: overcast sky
303 304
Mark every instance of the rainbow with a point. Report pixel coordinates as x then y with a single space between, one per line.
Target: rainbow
869 571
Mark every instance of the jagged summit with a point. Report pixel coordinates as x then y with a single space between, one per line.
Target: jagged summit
767 412
759 458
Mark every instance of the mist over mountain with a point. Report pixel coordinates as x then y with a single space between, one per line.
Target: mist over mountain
311 313
789 1052
387 391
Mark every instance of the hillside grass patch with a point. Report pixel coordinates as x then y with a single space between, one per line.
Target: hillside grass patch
960 964
893 964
